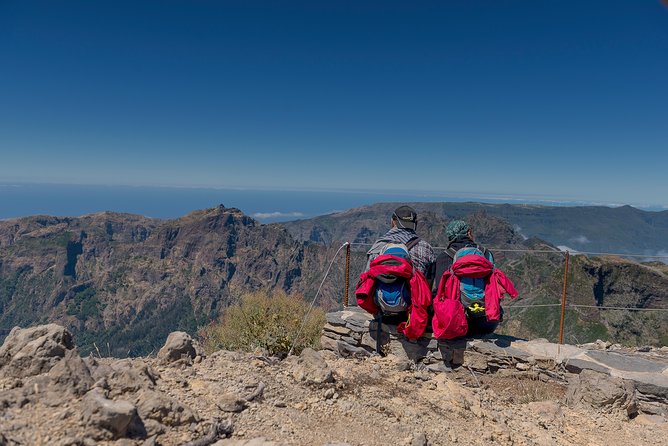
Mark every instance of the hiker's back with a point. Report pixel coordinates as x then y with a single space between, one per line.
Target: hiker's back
472 287
469 287
393 281
393 294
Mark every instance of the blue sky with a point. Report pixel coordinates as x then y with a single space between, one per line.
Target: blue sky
561 99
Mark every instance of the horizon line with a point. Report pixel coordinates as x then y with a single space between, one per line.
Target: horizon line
497 198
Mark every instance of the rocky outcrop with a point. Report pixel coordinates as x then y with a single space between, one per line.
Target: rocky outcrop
71 374
110 419
603 392
114 398
159 407
311 368
504 392
31 351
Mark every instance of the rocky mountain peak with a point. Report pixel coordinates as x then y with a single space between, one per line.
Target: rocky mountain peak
131 278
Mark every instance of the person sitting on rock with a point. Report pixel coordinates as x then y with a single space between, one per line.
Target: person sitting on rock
469 287
403 225
394 283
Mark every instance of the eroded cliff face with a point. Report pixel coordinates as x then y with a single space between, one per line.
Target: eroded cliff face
128 281
620 284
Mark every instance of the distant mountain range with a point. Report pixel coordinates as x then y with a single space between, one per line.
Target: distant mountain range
624 230
128 280
122 282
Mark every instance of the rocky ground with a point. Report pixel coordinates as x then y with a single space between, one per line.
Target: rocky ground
50 396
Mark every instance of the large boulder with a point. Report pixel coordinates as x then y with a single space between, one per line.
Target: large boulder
33 351
71 374
179 345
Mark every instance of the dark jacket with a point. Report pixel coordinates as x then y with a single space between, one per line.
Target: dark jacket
444 259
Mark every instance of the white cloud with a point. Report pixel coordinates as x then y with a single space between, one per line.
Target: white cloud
518 230
565 248
581 239
266 215
660 256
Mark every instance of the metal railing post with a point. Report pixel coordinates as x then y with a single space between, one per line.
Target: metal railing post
345 296
563 300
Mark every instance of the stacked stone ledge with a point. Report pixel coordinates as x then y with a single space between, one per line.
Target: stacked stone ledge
353 332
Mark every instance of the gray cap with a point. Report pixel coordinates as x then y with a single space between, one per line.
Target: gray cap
406 217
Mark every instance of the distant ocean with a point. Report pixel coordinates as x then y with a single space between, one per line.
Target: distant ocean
18 200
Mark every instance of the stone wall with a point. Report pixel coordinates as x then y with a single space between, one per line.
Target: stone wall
353 332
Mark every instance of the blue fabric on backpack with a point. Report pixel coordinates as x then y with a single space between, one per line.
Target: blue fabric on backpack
394 297
393 294
472 289
398 251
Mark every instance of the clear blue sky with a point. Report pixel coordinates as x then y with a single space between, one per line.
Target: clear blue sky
563 99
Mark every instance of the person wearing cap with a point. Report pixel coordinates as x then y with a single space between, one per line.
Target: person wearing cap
419 273
403 225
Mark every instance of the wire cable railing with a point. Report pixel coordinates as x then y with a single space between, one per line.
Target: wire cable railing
564 304
549 251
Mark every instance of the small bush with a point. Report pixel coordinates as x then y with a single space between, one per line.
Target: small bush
267 320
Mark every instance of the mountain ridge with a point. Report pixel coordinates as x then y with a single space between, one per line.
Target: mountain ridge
623 230
109 274
126 280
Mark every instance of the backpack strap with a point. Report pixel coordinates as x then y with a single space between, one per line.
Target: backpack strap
412 242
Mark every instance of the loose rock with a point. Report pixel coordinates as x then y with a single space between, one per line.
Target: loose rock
311 368
118 418
179 345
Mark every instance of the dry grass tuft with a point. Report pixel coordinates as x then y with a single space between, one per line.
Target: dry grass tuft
268 320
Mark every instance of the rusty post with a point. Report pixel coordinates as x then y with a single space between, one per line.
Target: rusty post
563 300
345 296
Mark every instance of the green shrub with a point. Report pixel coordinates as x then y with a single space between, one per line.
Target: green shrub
267 320
85 304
